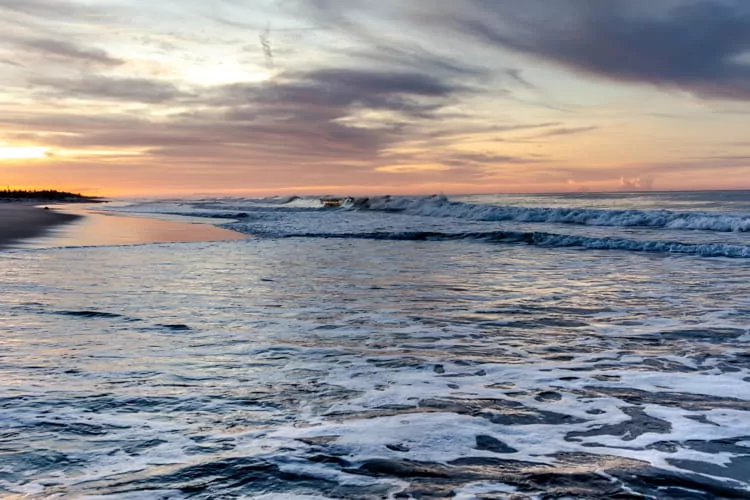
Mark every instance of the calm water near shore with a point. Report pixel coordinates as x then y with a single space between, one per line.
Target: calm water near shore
98 227
482 347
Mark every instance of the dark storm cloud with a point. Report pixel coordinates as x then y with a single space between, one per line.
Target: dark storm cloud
98 87
692 45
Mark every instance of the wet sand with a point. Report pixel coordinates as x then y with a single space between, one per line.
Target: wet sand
19 221
28 227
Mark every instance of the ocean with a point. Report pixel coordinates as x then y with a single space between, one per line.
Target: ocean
469 347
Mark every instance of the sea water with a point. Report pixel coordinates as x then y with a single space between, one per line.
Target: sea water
549 346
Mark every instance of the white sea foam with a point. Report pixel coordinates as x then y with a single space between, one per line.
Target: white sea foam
286 496
142 495
470 492
427 436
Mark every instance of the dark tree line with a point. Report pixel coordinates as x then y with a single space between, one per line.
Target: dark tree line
42 194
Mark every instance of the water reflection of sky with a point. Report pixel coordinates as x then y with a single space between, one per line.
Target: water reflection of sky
98 228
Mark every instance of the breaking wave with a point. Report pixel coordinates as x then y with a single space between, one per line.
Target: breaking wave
441 206
550 240
280 200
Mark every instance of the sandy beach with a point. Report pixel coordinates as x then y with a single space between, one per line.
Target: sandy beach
19 221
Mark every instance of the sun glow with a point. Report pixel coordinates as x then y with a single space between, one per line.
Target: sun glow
22 153
223 74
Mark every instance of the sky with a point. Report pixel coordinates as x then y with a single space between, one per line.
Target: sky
276 97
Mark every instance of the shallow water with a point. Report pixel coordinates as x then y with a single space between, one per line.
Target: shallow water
364 369
97 227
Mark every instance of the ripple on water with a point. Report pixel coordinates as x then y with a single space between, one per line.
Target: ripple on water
489 372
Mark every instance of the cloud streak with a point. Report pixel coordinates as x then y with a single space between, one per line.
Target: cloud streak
562 131
97 87
46 9
69 51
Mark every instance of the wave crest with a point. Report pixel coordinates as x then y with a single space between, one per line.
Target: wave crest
441 206
551 240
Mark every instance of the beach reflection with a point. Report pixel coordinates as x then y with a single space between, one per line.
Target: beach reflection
101 228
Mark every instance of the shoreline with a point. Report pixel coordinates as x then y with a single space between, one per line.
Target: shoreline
27 226
21 221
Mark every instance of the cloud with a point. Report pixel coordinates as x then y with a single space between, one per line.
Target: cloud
363 92
729 158
320 113
44 35
46 8
327 95
383 82
484 159
515 127
98 87
636 184
641 176
695 46
516 76
311 119
410 169
69 50
11 63
564 131
362 22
